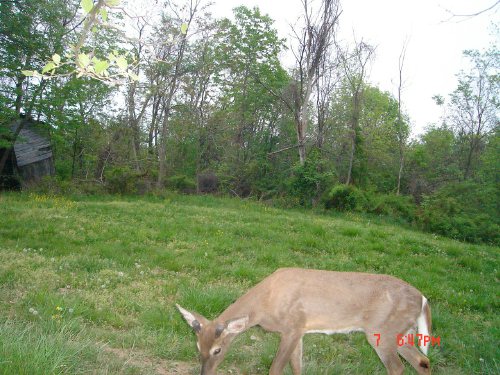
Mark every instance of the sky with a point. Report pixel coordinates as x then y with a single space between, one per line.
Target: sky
435 41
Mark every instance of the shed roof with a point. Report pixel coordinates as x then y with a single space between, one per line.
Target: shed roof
32 144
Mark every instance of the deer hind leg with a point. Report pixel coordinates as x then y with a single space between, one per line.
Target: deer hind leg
415 358
296 359
288 344
387 351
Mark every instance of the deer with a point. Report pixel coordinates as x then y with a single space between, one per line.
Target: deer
293 302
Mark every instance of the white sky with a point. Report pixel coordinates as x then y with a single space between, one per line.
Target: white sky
434 52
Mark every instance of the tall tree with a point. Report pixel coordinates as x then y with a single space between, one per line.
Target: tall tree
355 65
401 130
313 43
172 85
474 105
250 78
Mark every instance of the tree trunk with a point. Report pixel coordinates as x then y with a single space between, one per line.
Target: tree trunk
75 146
468 164
351 159
301 126
399 129
133 121
162 150
400 173
19 95
354 130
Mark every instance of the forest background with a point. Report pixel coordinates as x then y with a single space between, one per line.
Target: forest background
188 102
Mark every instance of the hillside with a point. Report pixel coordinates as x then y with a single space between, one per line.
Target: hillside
88 285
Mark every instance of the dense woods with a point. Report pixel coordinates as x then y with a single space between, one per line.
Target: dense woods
184 101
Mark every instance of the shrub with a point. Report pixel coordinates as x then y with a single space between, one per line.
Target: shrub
207 183
397 206
309 180
345 198
182 184
121 180
464 211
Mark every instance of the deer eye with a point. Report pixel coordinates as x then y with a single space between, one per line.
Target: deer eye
217 351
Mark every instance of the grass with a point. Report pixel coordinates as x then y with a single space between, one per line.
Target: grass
88 285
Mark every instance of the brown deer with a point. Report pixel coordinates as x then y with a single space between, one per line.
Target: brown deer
294 301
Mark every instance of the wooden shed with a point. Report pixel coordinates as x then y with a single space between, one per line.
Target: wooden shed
31 158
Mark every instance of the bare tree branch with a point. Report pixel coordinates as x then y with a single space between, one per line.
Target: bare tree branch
470 15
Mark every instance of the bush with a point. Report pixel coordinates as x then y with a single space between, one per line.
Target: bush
464 211
309 180
207 183
397 206
121 180
182 184
345 198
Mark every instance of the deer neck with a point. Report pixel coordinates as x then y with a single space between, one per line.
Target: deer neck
240 308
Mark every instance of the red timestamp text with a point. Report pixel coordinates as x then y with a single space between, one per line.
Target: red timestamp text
413 339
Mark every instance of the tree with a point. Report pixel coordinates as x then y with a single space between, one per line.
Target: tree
250 78
474 105
375 165
313 43
355 65
432 162
401 132
172 84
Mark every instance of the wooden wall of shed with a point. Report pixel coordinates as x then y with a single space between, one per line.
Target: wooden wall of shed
9 179
34 172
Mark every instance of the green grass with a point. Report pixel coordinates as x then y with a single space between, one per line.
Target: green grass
88 285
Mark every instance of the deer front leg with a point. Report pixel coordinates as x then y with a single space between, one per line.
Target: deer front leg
288 344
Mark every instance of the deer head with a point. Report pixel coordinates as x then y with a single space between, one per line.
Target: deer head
213 337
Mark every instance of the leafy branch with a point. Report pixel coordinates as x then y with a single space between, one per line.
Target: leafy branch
112 69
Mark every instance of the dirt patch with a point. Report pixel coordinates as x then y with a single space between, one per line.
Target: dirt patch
152 365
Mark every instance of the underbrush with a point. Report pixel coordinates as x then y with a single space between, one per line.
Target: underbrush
463 211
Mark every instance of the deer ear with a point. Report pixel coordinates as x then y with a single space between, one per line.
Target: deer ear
236 326
190 318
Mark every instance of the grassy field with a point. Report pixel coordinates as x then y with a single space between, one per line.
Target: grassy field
88 285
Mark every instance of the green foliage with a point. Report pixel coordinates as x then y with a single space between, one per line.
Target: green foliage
465 211
310 180
344 198
391 205
432 161
121 180
474 105
376 160
182 183
490 160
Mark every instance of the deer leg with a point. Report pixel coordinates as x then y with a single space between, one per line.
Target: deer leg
296 359
287 346
387 351
415 358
